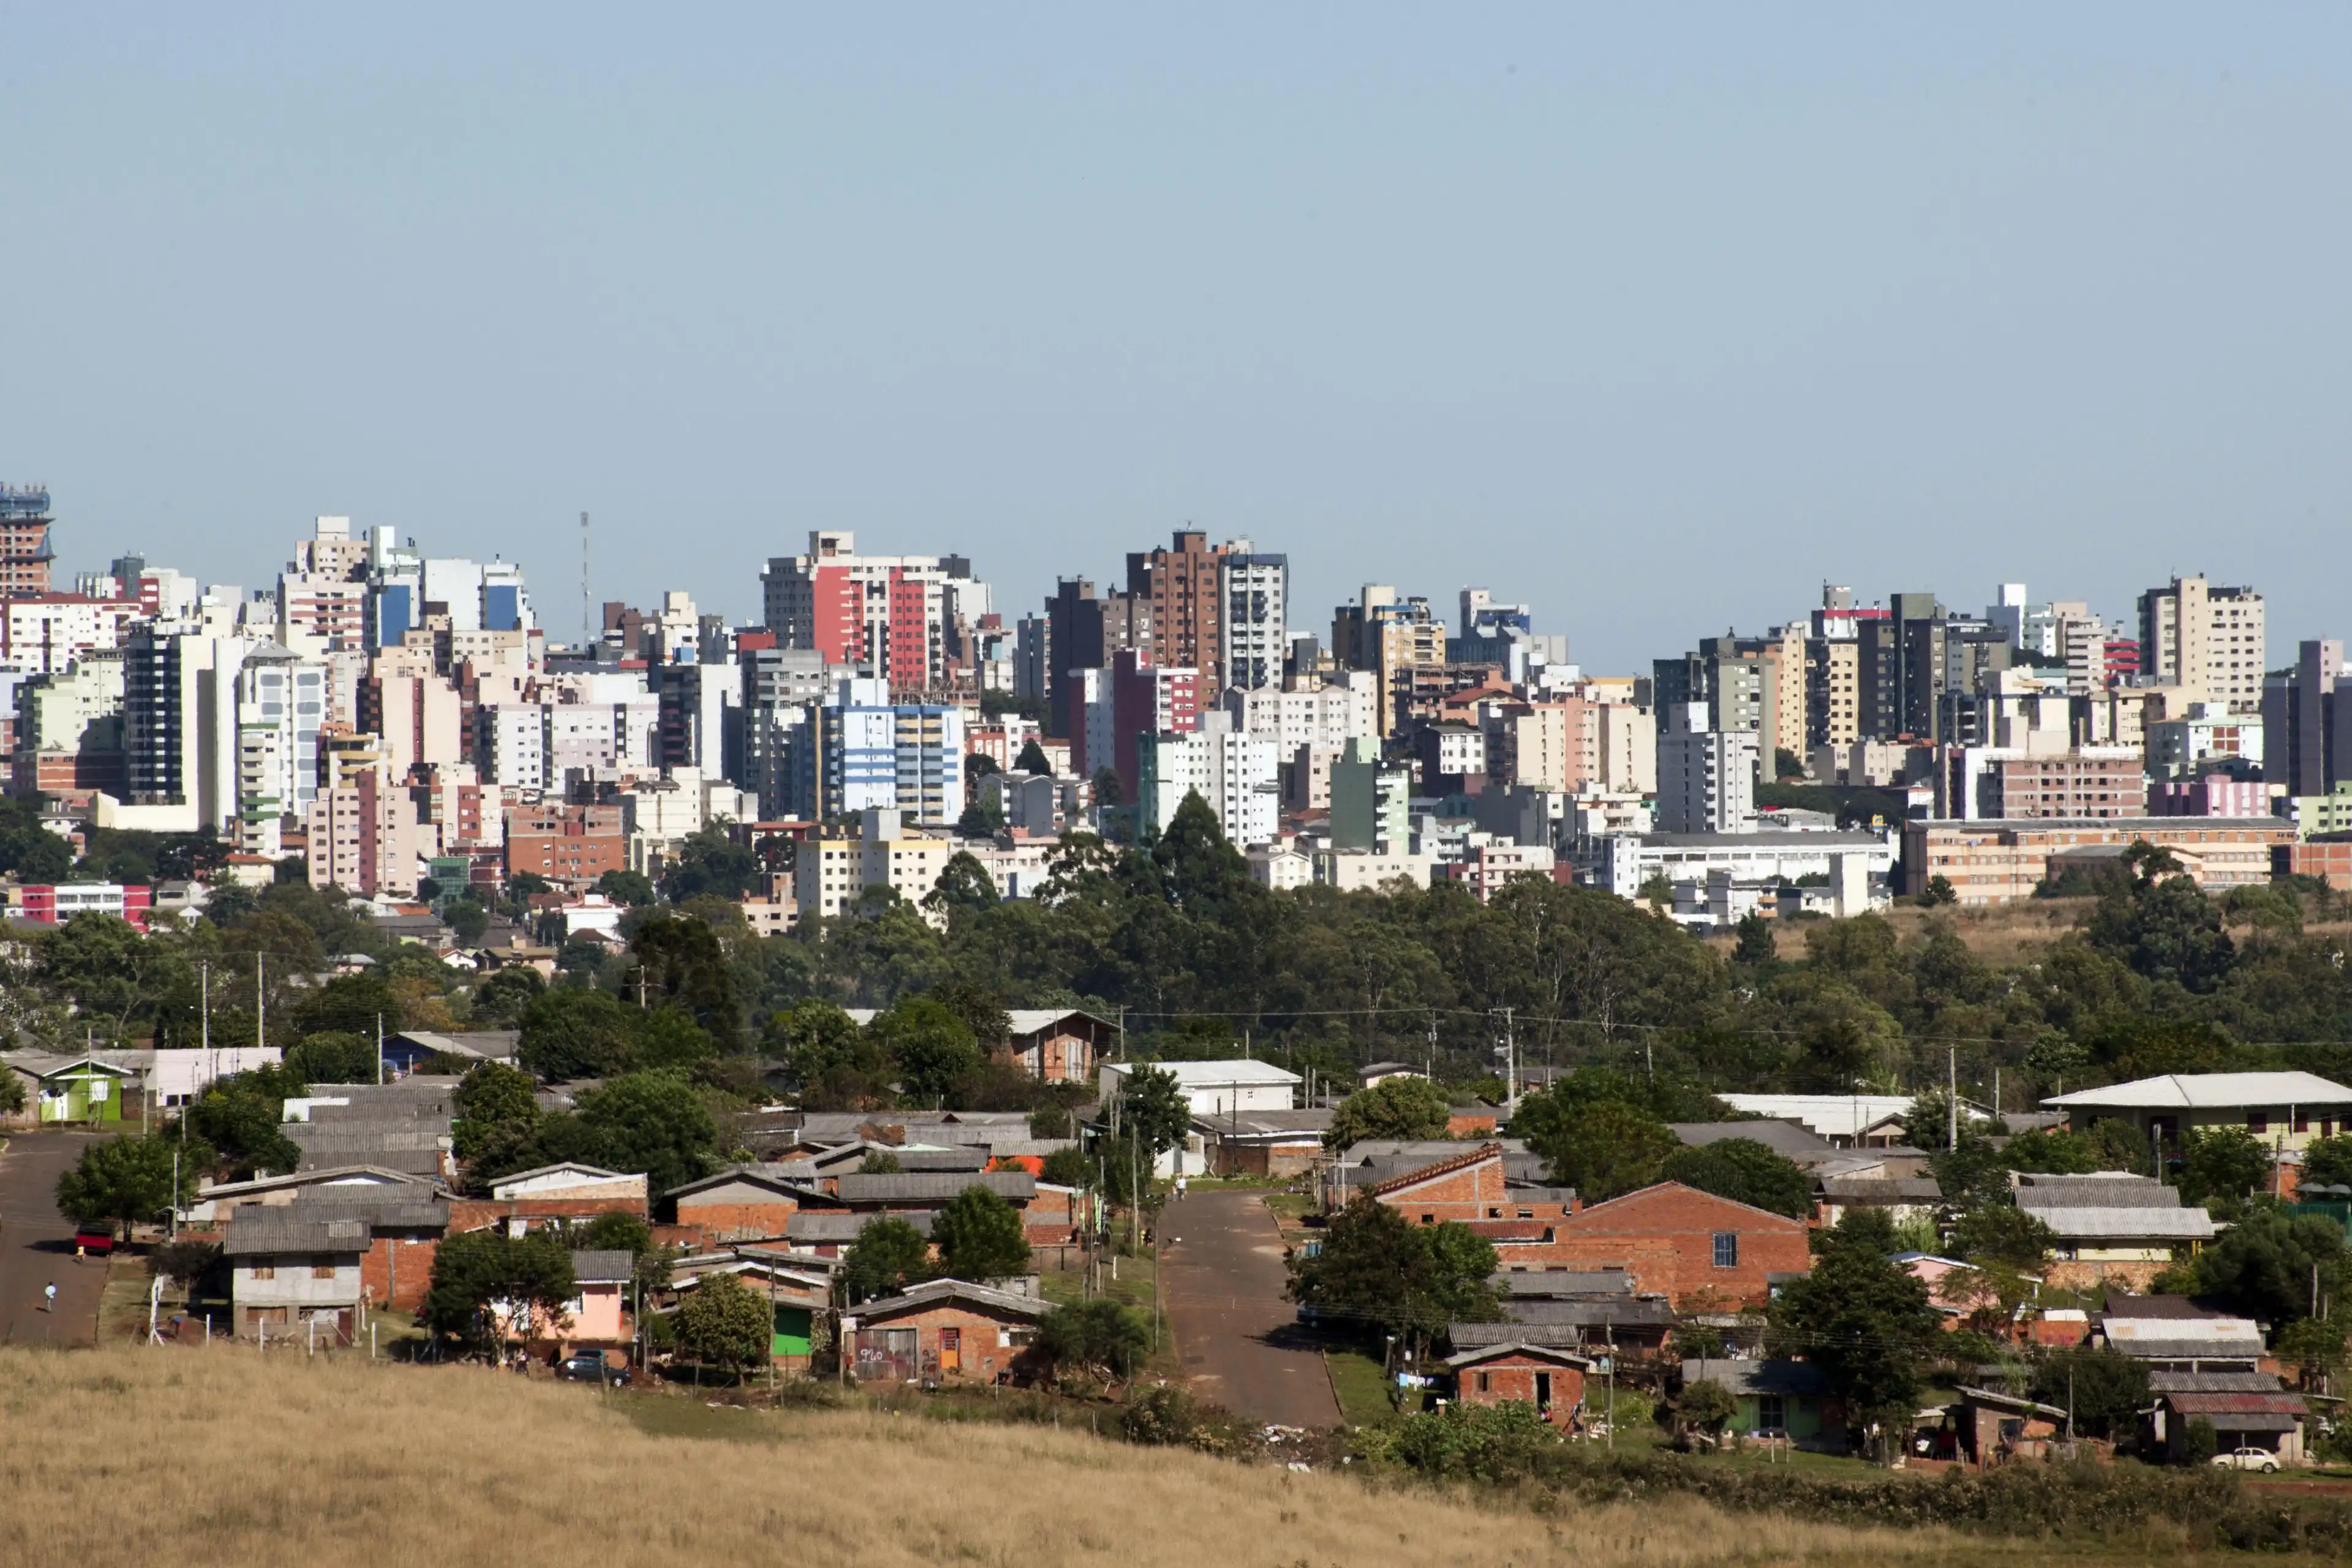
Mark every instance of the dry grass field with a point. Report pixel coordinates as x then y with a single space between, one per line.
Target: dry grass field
219 1456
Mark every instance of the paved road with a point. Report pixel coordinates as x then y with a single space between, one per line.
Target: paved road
36 1246
1221 1271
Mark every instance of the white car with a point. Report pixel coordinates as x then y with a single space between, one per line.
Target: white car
2258 1459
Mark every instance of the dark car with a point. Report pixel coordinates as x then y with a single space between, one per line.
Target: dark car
590 1366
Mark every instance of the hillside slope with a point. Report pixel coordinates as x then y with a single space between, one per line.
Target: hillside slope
218 1455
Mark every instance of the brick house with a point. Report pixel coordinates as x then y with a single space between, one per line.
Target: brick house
941 1330
745 1203
799 1292
1549 1378
1700 1251
405 1217
1475 1188
295 1276
1058 1045
531 1200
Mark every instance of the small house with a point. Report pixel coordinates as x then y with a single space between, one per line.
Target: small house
1524 1371
1787 1399
743 1203
1992 1427
82 1088
799 1292
942 1330
295 1276
2246 1409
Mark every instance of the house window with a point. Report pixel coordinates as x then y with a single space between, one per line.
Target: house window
1429 1219
2258 1121
2302 1120
1486 1384
322 1271
265 1271
1726 1249
1527 1214
1771 1413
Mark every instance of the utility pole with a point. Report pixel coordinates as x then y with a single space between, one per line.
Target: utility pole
1510 1055
260 1005
1432 1063
379 1050
1951 1096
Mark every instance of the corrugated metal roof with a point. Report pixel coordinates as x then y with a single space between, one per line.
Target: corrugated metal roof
2209 1091
604 1266
272 1234
921 1187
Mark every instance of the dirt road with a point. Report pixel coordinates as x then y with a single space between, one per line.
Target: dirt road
37 1246
1221 1269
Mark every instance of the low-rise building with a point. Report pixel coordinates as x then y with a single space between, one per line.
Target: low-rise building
943 1330
294 1277
1998 862
1549 1378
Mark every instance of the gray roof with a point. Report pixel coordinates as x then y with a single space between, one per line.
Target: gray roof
2162 1382
395 1211
765 1176
814 1229
1787 1139
1467 1335
2071 1223
2101 1190
1594 1312
604 1266
1306 1123
339 1153
1783 1377
2140 1348
934 1187
273 1234
933 1291
322 1177
1465 1356
1881 1190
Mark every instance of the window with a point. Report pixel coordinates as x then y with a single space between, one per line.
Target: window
322 1271
265 1271
1726 1249
2258 1121
1772 1413
1429 1219
1486 1384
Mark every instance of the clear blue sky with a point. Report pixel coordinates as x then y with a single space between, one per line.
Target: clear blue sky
1656 319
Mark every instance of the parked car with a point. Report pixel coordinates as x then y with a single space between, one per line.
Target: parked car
590 1366
2258 1459
101 1242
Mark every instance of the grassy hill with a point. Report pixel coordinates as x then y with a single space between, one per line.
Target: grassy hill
220 1455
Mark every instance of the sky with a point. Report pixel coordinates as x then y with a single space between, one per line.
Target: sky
1656 318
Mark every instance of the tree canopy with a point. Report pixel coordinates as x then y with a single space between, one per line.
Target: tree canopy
1406 1107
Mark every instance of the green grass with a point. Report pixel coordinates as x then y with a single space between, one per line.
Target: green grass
1290 1207
1359 1386
694 1418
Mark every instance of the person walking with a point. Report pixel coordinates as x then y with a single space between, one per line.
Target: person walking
49 1296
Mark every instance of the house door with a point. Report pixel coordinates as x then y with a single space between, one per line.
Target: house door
951 1349
1543 1394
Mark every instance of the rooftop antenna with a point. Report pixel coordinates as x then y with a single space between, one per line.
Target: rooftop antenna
587 628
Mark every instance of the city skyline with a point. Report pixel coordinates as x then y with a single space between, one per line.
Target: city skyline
1581 309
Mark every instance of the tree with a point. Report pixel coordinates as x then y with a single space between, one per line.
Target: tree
651 1122
1098 1335
2046 1151
1754 949
1939 891
887 1255
680 962
239 1119
1153 1110
2327 1161
880 1162
980 1237
1604 1148
1658 891
2003 1235
724 1324
2266 1265
634 889
466 919
1404 1108
2221 1164
964 886
2104 1388
120 1183
1375 1267
1744 1170
1032 759
491 1095
981 818
500 999
1067 1168
334 1059
931 1048
574 1032
1864 1321
1108 790
528 1279
1706 1404
978 765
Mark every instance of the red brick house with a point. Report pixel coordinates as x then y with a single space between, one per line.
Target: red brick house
529 1200
1547 1376
1464 1187
744 1202
1700 1251
1058 1045
942 1330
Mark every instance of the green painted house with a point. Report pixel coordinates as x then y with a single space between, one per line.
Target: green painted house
83 1089
1777 1398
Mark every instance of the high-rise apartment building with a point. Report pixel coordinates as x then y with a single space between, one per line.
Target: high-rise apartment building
1085 632
361 837
2207 640
1397 639
1183 583
2307 720
1706 777
281 704
877 754
24 554
1236 775
1254 628
891 616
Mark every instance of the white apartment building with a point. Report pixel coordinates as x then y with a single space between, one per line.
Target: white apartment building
281 701
1369 872
44 634
2209 641
1255 622
514 743
829 873
1307 712
1706 777
1236 775
362 838
1625 747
